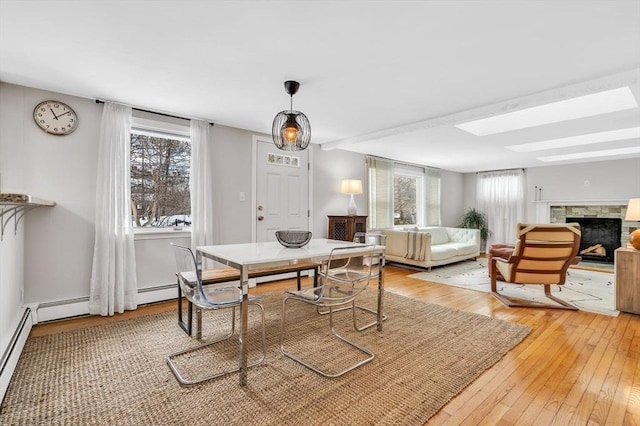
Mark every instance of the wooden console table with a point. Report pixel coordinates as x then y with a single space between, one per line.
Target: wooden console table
345 227
627 261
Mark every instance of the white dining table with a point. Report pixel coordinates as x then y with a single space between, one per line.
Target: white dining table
247 256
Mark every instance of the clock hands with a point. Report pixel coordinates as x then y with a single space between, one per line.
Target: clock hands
58 116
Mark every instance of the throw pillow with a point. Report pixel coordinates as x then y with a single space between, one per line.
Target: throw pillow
417 245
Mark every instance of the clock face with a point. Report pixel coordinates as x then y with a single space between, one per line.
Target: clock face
55 117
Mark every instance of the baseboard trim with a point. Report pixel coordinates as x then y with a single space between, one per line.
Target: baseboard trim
12 352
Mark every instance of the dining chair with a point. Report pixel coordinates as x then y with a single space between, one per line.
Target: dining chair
541 256
344 277
372 239
211 297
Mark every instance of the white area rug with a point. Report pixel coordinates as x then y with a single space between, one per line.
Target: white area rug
590 291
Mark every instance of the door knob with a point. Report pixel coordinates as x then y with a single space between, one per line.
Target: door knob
260 217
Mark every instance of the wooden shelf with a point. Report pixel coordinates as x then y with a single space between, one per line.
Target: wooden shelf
16 206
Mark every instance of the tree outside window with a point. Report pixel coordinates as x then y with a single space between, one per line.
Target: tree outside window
160 181
415 199
405 200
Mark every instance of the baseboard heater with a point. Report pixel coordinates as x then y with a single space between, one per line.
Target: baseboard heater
12 352
60 309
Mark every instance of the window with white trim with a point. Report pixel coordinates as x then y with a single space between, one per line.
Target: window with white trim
401 194
160 166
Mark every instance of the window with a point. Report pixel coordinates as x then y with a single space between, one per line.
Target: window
160 166
402 194
407 200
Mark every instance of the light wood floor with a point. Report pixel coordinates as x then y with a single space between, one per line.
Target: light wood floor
574 368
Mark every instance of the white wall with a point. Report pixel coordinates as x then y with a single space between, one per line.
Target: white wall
329 168
232 166
597 181
12 246
12 280
452 198
602 180
58 240
58 243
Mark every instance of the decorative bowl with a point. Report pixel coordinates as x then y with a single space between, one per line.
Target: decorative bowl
293 239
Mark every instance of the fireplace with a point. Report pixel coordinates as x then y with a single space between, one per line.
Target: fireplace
575 211
600 238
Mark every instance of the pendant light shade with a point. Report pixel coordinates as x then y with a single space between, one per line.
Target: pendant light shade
291 130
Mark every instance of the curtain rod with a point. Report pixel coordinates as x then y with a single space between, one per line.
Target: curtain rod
502 170
99 101
405 163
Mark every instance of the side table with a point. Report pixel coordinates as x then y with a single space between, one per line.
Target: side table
627 278
345 227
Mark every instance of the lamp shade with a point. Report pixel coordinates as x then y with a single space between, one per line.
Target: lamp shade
633 214
633 210
351 186
291 130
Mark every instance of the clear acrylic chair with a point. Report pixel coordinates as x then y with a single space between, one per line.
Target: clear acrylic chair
213 296
344 277
370 239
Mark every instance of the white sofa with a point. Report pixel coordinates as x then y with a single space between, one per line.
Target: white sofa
431 246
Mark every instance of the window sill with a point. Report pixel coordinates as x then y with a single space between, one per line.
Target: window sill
160 233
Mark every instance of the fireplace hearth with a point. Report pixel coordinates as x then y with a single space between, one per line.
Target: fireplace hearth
600 238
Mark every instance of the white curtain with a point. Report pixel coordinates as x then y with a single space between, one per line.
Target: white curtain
432 197
380 194
113 276
201 184
500 197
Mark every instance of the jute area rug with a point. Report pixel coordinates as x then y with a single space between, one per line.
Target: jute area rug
116 373
587 290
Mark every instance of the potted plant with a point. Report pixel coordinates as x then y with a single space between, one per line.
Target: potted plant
473 219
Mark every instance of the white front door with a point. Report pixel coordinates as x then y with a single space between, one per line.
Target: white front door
282 190
282 193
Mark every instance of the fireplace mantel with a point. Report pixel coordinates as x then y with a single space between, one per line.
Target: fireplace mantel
557 211
543 207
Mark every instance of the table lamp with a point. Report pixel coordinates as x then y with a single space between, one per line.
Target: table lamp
633 214
351 186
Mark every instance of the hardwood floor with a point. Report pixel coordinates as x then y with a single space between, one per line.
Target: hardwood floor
574 368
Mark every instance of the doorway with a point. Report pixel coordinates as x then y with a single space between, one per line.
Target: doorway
281 184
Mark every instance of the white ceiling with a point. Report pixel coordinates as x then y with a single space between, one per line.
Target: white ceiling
388 78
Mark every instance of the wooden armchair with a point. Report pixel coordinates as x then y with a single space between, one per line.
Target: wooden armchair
541 256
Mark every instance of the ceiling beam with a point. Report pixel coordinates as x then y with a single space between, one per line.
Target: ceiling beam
622 79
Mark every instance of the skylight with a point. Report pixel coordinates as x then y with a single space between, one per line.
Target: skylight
592 154
569 109
586 139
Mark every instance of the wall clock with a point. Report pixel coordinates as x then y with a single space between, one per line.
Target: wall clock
56 118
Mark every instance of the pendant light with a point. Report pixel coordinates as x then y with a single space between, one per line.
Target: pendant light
291 130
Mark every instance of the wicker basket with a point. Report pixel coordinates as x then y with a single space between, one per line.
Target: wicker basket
293 239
